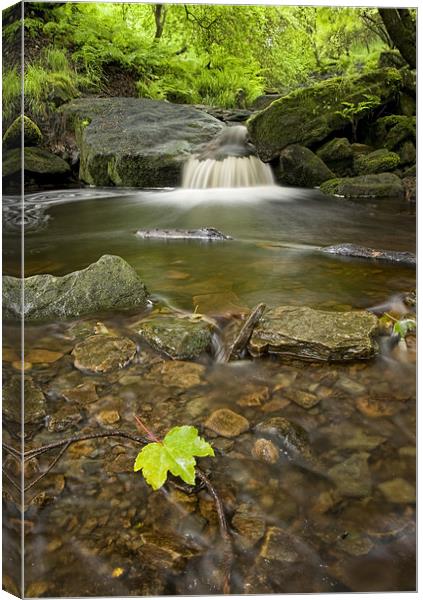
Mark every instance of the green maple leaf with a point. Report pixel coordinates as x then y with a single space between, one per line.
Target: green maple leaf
175 454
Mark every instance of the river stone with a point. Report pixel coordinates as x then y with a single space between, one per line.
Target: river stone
310 115
227 423
108 284
291 436
309 334
398 491
382 185
250 525
207 234
363 252
352 476
177 337
265 451
103 353
379 161
136 142
279 545
301 167
35 406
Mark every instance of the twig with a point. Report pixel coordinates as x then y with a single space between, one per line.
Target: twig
244 335
49 468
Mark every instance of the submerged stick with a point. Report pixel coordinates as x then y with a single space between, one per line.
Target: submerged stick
243 337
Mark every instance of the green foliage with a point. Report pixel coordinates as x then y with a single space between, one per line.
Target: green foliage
403 327
354 112
175 454
11 94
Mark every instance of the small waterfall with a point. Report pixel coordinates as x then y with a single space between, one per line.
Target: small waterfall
228 161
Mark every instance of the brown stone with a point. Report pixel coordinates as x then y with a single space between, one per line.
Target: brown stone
103 353
266 451
108 417
227 423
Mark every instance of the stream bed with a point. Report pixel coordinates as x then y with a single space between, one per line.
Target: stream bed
332 511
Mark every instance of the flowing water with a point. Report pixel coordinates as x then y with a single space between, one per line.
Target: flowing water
93 527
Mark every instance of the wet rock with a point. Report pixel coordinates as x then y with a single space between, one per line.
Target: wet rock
291 436
253 396
63 419
178 338
355 544
266 451
207 234
166 552
108 284
37 161
12 137
227 423
379 161
103 353
362 252
35 406
352 476
108 417
41 355
178 373
249 525
377 407
305 333
275 405
301 167
51 487
337 155
350 386
346 435
391 131
398 491
302 398
279 545
37 589
82 394
383 185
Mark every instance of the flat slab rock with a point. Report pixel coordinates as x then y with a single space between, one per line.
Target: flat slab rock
102 353
363 252
208 234
310 334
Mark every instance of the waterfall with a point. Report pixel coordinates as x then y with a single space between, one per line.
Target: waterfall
228 161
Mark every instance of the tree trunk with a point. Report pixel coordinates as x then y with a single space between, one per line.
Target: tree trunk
159 17
402 31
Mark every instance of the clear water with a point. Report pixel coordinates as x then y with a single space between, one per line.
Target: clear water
87 537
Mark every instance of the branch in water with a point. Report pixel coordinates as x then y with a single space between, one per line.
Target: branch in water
244 335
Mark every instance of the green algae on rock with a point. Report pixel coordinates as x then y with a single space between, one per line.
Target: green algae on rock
12 138
300 166
309 334
108 284
36 160
381 185
379 161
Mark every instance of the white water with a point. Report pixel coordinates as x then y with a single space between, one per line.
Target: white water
232 172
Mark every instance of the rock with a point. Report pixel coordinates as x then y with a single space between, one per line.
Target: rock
337 155
83 394
352 476
383 185
249 525
355 544
407 104
379 161
136 142
289 435
266 451
398 491
264 101
409 184
63 419
253 396
390 132
167 552
375 407
180 374
301 167
302 398
108 417
36 160
279 545
35 406
103 353
362 252
227 423
309 115
348 436
108 284
179 338
207 234
407 153
309 334
36 589
42 355
13 135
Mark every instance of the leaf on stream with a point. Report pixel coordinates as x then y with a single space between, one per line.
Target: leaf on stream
175 454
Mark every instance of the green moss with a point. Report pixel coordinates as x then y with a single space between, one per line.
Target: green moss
365 186
379 161
390 132
13 135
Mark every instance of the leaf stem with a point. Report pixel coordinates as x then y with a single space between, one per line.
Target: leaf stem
149 433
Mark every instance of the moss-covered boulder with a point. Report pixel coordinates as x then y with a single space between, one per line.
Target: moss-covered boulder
36 160
13 135
301 167
337 154
379 161
407 153
310 115
383 185
136 142
392 131
179 338
108 284
309 334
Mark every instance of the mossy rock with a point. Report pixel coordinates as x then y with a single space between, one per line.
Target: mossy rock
383 185
301 167
337 155
407 105
310 115
379 161
390 132
13 135
391 58
407 153
410 172
36 160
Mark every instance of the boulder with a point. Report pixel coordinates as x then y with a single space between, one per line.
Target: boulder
309 334
108 284
310 115
13 135
179 338
379 161
36 160
407 153
337 155
382 185
136 142
362 252
390 132
301 167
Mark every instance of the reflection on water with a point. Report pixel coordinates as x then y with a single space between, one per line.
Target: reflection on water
334 512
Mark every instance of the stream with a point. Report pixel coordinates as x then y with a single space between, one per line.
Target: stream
334 514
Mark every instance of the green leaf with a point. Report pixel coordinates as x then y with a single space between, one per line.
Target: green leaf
175 454
401 328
